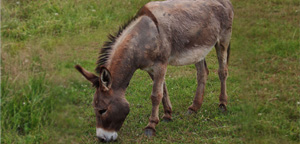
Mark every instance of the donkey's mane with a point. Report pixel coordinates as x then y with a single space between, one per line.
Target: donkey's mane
107 47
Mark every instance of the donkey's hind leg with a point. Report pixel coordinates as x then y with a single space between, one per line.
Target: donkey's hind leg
202 73
222 49
166 103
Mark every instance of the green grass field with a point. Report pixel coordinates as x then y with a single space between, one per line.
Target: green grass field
45 100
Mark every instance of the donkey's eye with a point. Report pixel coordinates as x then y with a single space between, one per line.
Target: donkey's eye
102 111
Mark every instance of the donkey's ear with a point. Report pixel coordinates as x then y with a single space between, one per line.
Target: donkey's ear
105 79
88 75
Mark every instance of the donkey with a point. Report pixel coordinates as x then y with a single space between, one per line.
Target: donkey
174 32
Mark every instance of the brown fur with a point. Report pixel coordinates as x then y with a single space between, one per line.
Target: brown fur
175 32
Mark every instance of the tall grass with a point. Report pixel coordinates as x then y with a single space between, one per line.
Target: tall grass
26 106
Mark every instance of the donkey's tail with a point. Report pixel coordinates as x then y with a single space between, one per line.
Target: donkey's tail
228 53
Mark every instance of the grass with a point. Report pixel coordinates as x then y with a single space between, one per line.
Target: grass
44 100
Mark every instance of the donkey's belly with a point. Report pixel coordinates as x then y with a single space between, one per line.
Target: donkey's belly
190 56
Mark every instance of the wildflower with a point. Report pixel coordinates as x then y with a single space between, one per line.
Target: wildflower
259 114
18 3
24 103
298 103
56 14
93 10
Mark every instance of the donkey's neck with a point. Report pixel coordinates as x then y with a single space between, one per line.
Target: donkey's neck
122 65
121 62
135 48
121 73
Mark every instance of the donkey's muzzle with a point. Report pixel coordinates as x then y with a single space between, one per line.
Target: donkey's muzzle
106 136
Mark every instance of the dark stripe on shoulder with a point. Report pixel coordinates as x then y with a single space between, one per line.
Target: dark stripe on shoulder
145 11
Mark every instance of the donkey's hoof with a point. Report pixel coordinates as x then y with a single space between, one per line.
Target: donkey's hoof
166 119
149 132
222 108
190 112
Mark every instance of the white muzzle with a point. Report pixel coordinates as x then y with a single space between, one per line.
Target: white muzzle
106 135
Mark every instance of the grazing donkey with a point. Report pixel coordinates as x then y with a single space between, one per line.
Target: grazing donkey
174 32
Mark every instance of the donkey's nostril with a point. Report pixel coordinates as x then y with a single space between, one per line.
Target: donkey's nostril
102 111
101 139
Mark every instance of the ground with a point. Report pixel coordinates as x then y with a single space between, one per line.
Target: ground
45 100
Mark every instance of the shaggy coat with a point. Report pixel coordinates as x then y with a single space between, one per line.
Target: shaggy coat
174 32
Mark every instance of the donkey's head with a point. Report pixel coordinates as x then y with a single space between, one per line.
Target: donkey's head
110 105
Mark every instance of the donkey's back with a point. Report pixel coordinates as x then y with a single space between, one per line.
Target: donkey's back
190 28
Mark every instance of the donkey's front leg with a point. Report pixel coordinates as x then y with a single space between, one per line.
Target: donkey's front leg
166 103
159 72
202 73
